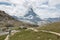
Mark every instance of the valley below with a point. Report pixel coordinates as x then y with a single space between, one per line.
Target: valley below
12 29
47 32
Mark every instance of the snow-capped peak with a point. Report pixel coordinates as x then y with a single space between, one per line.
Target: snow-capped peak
31 16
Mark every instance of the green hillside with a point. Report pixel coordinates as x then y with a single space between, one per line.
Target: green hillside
2 37
55 27
32 35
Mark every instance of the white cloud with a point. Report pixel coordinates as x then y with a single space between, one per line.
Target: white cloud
44 11
17 1
47 14
7 9
54 2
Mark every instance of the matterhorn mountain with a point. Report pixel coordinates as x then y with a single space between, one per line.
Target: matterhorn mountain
30 17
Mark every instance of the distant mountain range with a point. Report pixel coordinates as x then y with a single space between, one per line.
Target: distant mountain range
33 18
30 16
29 19
53 19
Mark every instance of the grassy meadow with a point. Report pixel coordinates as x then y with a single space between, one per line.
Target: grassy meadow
2 37
32 35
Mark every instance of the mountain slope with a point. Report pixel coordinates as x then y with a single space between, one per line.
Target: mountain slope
6 19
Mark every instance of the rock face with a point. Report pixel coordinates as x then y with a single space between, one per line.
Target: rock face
6 19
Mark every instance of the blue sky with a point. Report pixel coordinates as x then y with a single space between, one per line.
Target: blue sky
43 8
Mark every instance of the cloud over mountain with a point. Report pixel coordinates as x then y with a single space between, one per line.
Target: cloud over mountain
43 8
